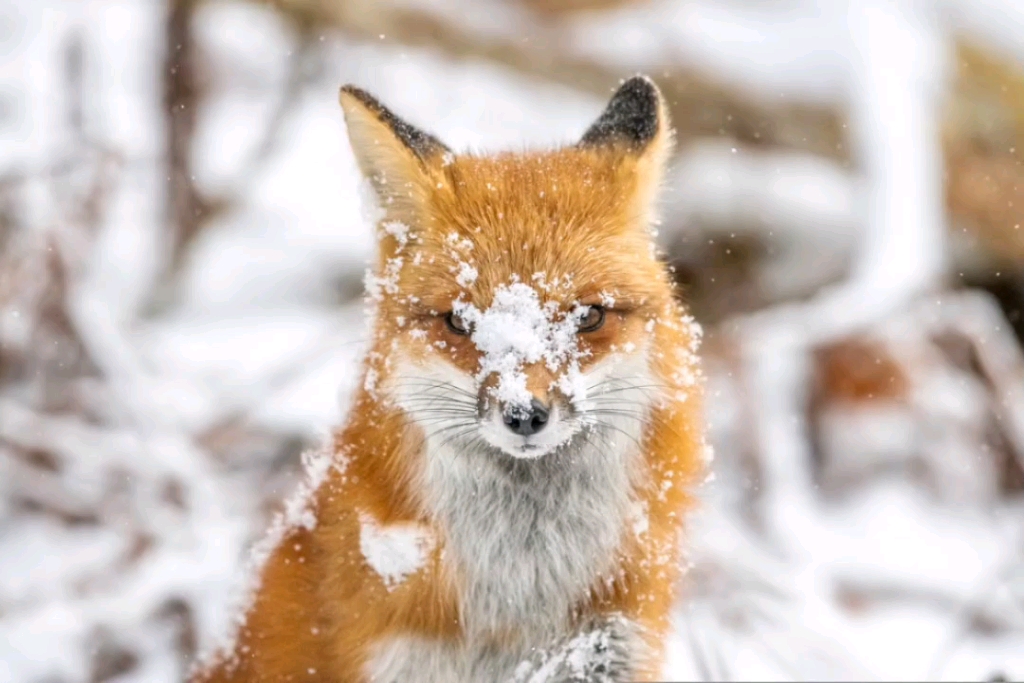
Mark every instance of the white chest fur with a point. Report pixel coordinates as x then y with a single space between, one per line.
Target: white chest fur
526 540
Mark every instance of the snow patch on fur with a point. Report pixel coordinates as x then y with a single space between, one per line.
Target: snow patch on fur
398 230
603 654
467 274
394 551
518 329
386 283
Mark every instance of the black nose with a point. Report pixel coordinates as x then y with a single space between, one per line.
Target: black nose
527 421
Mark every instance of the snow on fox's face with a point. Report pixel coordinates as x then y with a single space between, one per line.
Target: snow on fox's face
524 374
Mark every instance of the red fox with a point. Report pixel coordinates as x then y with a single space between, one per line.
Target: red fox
505 501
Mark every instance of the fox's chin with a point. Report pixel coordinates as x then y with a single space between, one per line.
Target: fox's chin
529 448
526 451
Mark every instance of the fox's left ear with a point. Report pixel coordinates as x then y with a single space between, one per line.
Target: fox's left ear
634 128
395 156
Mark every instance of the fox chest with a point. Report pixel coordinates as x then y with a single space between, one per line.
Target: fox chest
525 545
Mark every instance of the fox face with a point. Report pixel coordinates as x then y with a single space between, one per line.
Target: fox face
517 294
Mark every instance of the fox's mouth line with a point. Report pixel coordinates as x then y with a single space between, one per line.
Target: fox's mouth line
536 451
528 451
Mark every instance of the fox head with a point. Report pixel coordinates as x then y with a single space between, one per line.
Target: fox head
521 307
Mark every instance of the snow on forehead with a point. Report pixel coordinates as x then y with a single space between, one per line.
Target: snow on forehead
518 329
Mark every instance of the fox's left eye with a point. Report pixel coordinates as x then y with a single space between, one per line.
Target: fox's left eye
456 324
592 320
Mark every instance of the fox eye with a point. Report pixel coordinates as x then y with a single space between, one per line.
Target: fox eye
456 324
592 320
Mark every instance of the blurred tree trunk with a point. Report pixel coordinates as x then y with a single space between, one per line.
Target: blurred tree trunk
185 205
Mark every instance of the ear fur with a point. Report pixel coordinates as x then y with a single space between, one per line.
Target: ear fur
634 127
395 156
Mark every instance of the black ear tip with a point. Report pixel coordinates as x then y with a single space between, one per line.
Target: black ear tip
632 115
638 86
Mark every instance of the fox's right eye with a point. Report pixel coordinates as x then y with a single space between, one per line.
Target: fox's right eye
456 324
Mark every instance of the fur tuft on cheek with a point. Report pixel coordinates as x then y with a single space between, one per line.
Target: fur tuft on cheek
434 394
620 389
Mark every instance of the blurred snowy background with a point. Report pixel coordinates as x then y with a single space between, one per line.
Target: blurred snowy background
181 253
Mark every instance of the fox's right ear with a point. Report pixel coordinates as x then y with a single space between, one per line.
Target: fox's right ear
394 155
634 130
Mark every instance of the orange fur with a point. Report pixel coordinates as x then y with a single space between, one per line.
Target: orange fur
578 215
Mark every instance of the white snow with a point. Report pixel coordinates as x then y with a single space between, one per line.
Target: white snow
394 551
398 230
467 274
575 659
516 330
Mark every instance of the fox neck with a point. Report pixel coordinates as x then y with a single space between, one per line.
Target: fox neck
527 540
